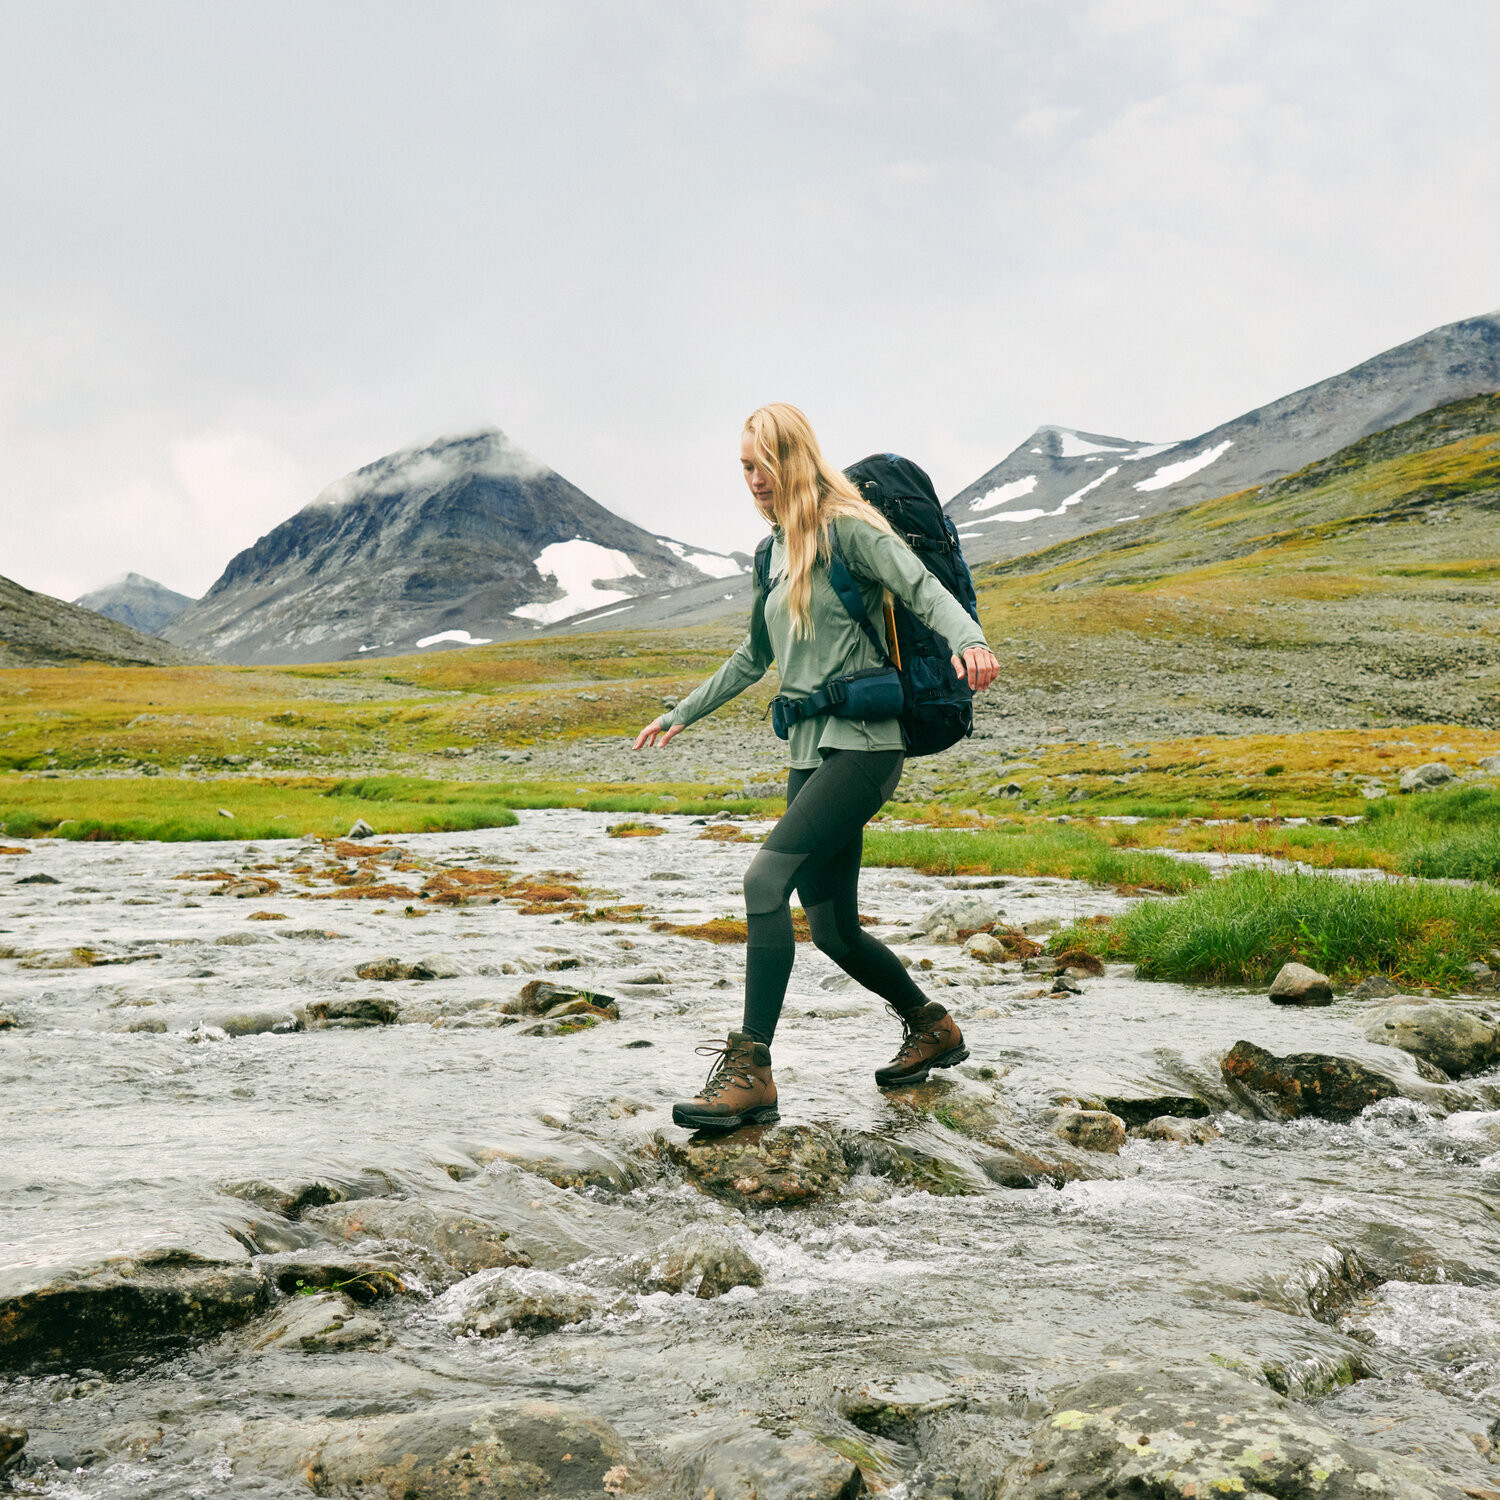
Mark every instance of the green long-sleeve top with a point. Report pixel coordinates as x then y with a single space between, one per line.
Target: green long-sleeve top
835 645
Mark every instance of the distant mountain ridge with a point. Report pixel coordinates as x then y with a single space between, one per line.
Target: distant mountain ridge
1062 482
141 603
37 630
456 542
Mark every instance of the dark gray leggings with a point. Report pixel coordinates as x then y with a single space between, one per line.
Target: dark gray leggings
815 850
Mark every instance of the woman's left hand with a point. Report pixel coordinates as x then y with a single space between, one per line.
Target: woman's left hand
978 667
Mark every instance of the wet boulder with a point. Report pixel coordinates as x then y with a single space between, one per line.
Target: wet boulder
292 1196
750 1463
566 1160
1374 987
1165 1434
987 948
102 1316
349 1015
456 1240
1296 984
12 1440
515 1300
1304 1083
479 1450
762 1166
257 1022
959 913
434 966
704 1261
543 999
323 1323
1176 1131
1455 1037
1088 1129
362 1278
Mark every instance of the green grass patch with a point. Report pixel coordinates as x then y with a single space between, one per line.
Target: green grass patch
1066 851
264 808
1242 928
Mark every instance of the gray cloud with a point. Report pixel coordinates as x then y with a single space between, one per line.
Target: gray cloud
250 247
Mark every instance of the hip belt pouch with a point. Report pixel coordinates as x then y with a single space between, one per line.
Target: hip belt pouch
875 693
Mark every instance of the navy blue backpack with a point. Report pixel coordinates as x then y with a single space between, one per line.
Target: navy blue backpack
938 709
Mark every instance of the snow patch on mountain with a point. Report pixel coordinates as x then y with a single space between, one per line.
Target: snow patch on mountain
710 563
1015 490
458 637
1172 473
1072 446
578 568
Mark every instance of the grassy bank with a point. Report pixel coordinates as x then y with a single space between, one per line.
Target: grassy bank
262 808
1069 851
1242 928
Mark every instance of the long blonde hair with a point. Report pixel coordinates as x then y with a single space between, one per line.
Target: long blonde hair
807 493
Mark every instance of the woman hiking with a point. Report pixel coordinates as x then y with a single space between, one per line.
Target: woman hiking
842 769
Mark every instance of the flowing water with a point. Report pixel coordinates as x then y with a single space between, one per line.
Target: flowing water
1354 1266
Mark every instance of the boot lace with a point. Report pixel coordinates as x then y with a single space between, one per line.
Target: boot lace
733 1063
913 1033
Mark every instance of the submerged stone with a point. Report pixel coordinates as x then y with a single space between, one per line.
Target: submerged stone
704 1261
349 1015
320 1324
750 1463
1166 1434
1088 1129
513 1299
892 1408
1175 1129
460 1241
12 1440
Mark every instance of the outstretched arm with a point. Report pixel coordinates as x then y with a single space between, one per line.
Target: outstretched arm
745 667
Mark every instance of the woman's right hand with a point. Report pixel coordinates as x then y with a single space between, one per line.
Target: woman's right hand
655 736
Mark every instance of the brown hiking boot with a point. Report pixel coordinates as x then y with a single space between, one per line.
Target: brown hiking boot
739 1090
932 1040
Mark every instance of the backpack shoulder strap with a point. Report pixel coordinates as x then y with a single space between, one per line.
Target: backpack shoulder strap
842 582
762 566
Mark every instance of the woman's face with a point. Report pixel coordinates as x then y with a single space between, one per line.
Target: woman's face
755 476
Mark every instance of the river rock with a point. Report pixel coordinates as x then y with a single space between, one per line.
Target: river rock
39 879
101 1316
750 1463
291 1196
257 1022
362 1278
704 1261
961 912
480 1450
1374 987
986 948
1178 1131
12 1440
540 997
349 1015
359 829
762 1166
892 1408
513 1299
1166 1434
1424 778
1296 984
1457 1038
459 1241
322 1323
434 966
1088 1129
566 1160
1304 1083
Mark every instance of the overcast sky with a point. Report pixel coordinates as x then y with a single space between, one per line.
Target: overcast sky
249 245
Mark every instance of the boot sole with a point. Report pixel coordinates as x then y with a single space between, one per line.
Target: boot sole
766 1114
950 1059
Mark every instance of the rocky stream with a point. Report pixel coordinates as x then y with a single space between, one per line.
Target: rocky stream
348 1168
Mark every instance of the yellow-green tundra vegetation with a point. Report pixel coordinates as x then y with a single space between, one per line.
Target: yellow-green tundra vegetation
1341 621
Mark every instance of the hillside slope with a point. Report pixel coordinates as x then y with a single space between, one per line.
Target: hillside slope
1360 590
1060 483
467 539
141 603
37 630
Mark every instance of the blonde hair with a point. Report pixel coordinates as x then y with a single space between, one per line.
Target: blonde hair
807 493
